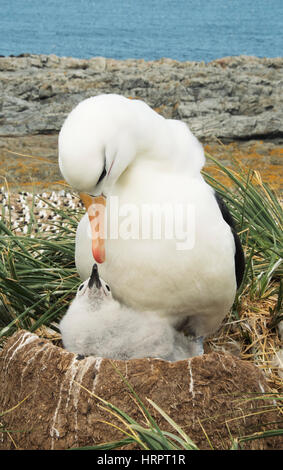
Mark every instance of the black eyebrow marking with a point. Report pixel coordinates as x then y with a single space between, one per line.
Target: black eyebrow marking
103 172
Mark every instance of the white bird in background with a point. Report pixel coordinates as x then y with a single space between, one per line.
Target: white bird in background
96 324
113 146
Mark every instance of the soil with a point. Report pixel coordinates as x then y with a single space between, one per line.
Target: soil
23 172
53 395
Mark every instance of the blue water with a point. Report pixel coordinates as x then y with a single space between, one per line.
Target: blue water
149 29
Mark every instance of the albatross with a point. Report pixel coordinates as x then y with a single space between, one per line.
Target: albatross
115 149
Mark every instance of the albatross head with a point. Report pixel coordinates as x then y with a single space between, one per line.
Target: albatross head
99 139
97 142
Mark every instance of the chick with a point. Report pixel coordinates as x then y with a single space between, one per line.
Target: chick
96 324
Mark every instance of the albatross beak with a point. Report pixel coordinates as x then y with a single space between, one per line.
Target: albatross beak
95 207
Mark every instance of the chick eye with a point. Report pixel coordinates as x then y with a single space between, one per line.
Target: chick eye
81 286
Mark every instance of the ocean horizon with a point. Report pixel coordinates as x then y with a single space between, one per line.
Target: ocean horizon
185 30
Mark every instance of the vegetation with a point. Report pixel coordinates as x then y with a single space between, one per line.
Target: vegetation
257 309
37 274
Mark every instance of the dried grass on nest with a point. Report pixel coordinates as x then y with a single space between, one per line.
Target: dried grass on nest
251 338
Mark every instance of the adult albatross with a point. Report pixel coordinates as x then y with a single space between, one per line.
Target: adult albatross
115 149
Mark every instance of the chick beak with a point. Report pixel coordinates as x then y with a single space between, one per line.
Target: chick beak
95 207
94 278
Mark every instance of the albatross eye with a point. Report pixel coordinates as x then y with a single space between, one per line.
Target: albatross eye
107 287
103 172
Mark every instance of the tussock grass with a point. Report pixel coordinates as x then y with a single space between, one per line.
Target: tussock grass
259 217
37 272
257 309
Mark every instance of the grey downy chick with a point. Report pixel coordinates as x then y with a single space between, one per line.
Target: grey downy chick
98 325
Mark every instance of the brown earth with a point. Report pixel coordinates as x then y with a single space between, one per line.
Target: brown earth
20 170
212 397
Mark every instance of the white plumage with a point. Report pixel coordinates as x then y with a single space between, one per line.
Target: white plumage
121 147
96 324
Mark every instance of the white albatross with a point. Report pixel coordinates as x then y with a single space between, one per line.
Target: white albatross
113 146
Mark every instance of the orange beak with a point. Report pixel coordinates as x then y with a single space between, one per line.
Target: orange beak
95 207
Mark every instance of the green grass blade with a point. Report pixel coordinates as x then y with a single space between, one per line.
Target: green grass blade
173 424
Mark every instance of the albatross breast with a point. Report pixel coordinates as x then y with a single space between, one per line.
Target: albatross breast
149 274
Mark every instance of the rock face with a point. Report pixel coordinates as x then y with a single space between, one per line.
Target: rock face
231 98
204 395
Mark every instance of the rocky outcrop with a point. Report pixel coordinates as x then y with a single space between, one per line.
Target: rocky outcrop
43 404
231 98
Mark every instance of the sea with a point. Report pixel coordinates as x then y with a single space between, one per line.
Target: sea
194 30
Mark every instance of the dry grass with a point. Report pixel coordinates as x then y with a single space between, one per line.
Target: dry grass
251 338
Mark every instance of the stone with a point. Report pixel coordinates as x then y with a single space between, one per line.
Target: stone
98 63
231 98
43 404
46 91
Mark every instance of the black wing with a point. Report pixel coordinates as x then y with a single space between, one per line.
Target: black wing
239 254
